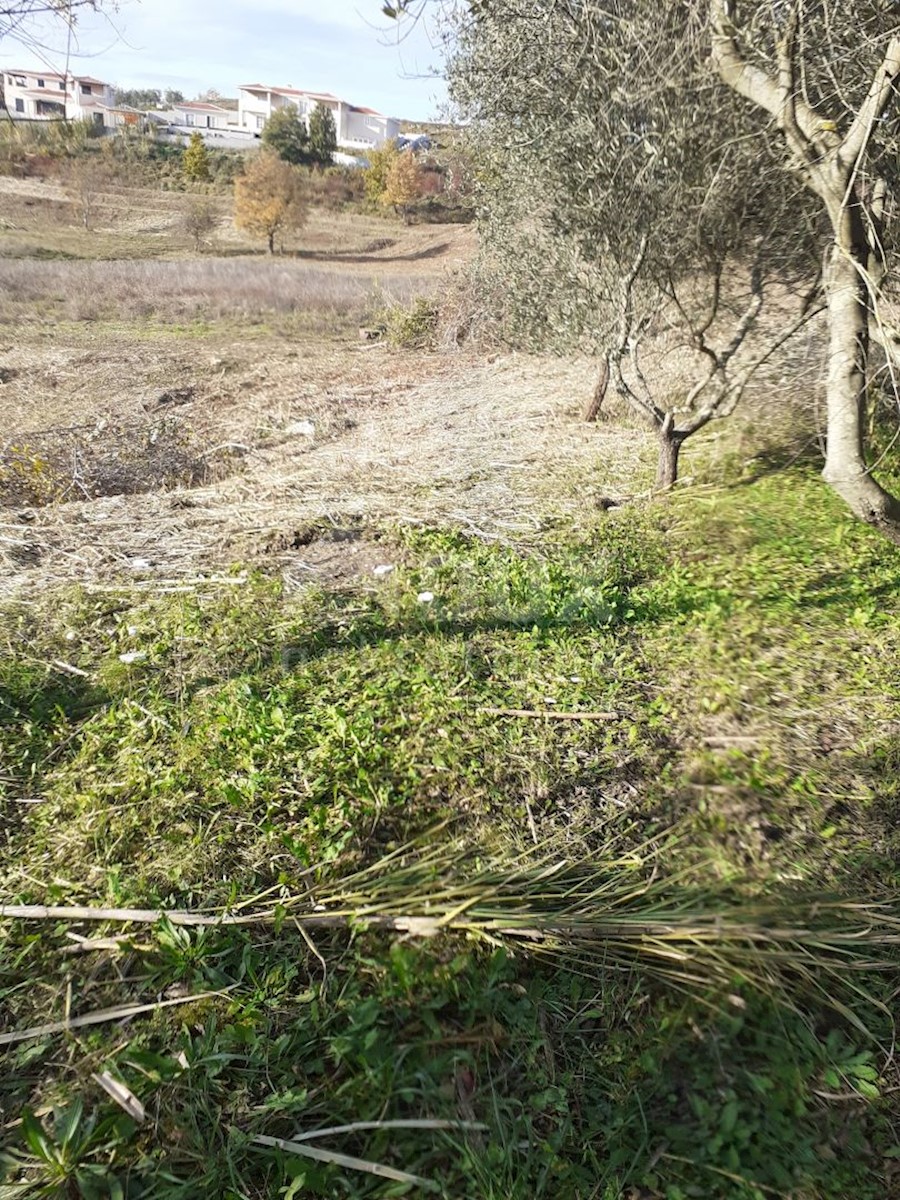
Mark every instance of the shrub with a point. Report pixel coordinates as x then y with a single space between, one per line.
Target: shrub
195 160
413 326
336 188
199 220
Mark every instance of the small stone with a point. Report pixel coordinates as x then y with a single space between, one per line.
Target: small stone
382 571
425 597
301 429
132 656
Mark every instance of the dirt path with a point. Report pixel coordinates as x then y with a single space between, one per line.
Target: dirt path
495 447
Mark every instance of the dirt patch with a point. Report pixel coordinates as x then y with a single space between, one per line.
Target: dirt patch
323 553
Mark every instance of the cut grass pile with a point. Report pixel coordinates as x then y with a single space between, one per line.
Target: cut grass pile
231 747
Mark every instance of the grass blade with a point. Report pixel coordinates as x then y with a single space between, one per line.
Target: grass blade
344 1160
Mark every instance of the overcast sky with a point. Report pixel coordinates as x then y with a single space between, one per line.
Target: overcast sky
343 46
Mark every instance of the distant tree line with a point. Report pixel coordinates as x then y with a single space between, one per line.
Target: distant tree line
148 97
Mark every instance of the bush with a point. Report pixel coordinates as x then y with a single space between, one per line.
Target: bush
337 188
413 326
195 160
199 220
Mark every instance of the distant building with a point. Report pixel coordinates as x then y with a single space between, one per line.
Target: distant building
48 96
199 114
357 128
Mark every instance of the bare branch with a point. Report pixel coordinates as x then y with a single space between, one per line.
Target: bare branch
880 93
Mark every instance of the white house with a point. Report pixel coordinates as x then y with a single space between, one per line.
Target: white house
46 95
357 128
198 114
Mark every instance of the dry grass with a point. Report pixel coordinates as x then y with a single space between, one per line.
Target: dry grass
495 448
211 288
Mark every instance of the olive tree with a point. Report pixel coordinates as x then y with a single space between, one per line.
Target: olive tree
825 73
621 195
682 161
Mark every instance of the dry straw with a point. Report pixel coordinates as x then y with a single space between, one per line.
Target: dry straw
617 912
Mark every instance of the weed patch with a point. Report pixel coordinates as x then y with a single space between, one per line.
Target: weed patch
237 747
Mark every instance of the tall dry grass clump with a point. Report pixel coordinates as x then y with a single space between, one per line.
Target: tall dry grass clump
241 287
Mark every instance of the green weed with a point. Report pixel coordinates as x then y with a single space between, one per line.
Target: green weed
233 744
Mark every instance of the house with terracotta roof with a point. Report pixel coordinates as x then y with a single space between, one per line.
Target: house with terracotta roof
358 129
200 114
46 96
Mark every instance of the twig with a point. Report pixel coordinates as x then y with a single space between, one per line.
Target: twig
417 926
69 669
551 714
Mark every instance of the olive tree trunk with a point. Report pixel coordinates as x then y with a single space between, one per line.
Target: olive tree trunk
847 295
670 442
830 164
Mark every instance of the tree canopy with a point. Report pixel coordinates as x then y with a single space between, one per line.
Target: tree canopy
322 135
195 160
269 198
285 134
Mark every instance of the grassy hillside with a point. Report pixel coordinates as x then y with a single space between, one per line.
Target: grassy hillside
727 660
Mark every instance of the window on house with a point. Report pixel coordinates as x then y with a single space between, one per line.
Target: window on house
19 80
41 83
20 104
85 89
62 86
260 121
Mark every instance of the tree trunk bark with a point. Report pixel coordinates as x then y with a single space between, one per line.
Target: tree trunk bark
845 468
670 443
593 406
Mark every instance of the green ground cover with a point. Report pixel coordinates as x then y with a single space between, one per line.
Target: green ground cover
233 746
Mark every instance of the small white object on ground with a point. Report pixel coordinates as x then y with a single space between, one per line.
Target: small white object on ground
425 597
383 570
131 656
302 429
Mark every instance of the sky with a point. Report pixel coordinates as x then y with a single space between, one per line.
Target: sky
347 47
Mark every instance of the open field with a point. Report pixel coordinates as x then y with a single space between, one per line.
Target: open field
37 218
558 817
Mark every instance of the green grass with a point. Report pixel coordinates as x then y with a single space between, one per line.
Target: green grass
748 638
